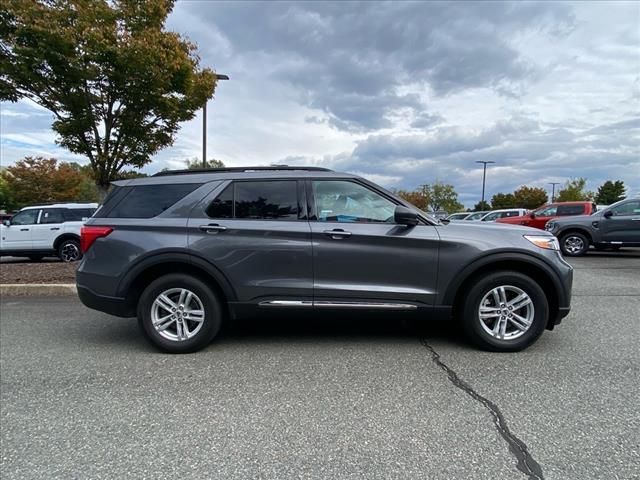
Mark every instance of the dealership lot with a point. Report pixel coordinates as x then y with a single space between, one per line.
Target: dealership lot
83 396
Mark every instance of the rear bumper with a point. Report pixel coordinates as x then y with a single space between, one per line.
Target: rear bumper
111 305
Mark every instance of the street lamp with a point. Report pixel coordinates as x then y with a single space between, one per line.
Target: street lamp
484 174
204 125
553 190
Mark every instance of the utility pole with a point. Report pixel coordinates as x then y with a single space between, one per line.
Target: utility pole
204 125
553 190
484 174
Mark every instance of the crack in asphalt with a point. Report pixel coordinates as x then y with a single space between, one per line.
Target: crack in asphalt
525 462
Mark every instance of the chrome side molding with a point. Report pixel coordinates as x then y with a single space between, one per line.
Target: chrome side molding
328 304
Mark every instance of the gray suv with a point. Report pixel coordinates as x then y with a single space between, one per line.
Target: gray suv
185 251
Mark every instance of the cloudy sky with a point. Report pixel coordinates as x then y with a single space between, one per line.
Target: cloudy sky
408 93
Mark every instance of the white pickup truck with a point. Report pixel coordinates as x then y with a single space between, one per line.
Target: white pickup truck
44 230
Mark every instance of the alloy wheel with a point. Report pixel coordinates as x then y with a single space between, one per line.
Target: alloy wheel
573 244
177 314
506 312
70 252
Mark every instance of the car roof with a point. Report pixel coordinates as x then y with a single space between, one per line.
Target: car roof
61 205
210 175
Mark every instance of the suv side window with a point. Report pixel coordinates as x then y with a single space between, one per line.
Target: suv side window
567 210
257 200
491 217
26 217
52 215
549 211
78 214
345 201
147 201
626 209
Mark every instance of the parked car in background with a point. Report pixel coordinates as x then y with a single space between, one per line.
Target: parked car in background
5 216
186 251
458 216
540 216
494 215
616 226
476 216
439 214
45 230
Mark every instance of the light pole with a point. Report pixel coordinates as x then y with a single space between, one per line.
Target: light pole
484 175
204 125
553 190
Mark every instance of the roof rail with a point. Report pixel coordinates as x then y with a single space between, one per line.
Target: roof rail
240 169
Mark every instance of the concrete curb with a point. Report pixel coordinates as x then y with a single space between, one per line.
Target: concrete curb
50 289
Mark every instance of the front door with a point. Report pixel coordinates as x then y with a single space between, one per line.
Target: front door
257 234
360 256
17 236
623 225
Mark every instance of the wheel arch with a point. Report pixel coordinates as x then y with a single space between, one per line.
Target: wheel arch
537 269
63 237
580 230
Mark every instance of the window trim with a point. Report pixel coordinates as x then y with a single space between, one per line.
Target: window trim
37 220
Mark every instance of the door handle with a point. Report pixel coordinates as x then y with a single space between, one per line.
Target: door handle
337 233
636 219
54 228
24 229
212 228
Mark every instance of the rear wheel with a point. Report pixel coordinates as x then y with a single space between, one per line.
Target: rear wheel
574 244
69 251
179 314
505 312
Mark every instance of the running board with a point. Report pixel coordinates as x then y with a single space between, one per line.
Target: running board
327 304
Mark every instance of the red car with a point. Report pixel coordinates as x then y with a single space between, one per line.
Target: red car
539 217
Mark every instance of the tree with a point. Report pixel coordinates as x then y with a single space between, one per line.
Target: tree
6 194
441 196
38 179
195 164
503 200
415 198
530 197
573 191
116 82
481 206
610 192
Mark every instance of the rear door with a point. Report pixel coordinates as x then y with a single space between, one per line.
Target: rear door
48 228
624 225
360 256
257 234
17 236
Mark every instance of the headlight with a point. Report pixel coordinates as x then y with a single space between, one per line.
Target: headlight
548 243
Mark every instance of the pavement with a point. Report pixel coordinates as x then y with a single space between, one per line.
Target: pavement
82 395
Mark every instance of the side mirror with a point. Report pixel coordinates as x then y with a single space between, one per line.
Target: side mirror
607 214
404 216
6 223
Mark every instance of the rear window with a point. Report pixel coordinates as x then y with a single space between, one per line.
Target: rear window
144 201
566 210
78 214
257 200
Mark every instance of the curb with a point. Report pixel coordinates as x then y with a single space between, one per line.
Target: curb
48 289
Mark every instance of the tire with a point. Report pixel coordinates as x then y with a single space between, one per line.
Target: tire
574 244
69 251
36 258
169 336
483 333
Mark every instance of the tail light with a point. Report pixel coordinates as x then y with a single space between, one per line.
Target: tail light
89 234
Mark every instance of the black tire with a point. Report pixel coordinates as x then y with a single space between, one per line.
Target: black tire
471 322
36 258
69 251
574 244
211 322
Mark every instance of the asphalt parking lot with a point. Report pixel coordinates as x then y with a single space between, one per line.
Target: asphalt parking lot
83 396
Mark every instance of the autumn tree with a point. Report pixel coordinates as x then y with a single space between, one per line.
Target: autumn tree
574 190
38 179
530 197
196 164
117 83
441 196
503 200
610 192
415 198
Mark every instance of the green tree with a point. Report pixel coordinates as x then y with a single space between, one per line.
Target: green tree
574 190
503 200
117 83
196 164
415 198
441 196
530 197
38 179
610 192
6 194
481 206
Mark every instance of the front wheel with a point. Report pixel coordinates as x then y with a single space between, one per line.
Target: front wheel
574 244
505 312
179 314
